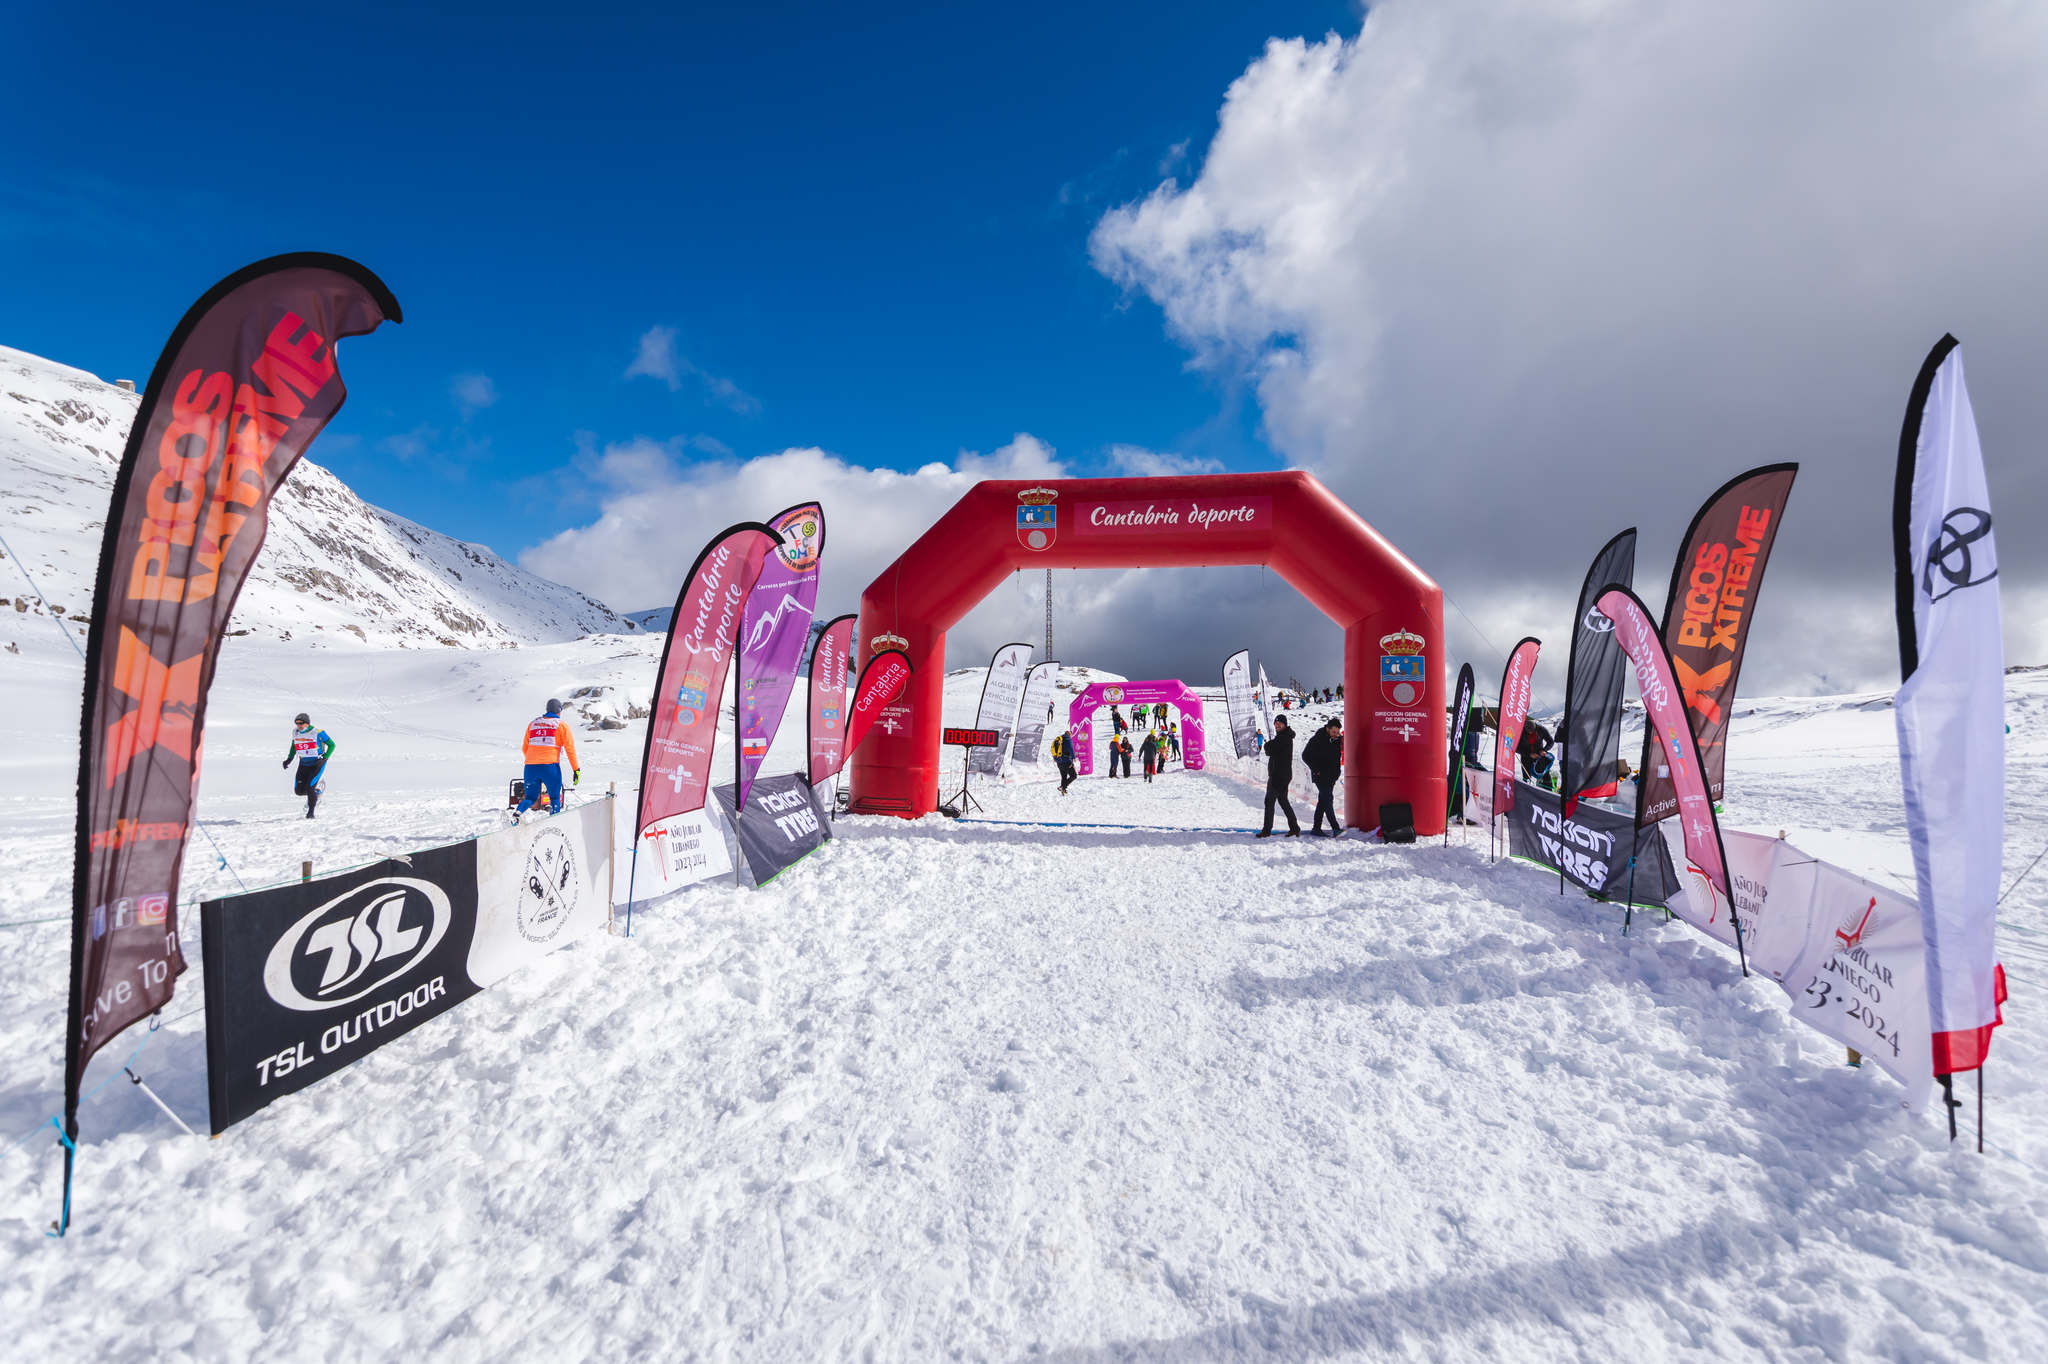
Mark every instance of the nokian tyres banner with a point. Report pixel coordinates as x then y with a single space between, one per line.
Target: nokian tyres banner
784 824
1591 846
303 980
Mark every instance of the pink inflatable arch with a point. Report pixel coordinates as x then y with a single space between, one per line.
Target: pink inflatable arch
1173 692
1390 610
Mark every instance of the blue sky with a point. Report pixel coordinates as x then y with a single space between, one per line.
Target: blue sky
1508 278
866 229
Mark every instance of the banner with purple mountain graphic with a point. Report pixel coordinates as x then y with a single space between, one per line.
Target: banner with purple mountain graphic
773 629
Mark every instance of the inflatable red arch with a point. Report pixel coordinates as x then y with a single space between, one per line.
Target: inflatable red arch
1391 612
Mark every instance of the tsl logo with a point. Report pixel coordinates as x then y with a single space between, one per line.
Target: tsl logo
363 938
1037 518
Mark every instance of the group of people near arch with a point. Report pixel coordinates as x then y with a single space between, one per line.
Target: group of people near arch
1160 745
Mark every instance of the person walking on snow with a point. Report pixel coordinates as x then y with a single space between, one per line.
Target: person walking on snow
1124 751
548 741
1116 718
1323 756
1159 715
1063 758
1173 739
1149 750
311 747
1279 771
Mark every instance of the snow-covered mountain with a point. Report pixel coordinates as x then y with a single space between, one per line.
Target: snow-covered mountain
332 565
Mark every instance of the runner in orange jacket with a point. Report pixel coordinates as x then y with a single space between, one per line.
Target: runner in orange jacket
548 741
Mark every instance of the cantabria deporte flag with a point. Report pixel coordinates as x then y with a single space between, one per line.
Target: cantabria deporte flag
1951 704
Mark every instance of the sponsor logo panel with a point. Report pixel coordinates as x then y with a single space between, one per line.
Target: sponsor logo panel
1038 518
304 980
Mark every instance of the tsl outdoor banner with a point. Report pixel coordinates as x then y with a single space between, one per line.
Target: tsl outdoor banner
773 628
702 637
826 711
1591 846
784 824
250 376
305 979
1714 587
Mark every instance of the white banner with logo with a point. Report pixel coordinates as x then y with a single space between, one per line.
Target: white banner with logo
680 851
1035 711
1950 708
1700 903
1001 694
1847 951
1239 706
539 886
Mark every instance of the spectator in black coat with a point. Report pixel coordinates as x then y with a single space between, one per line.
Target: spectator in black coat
1149 751
1124 751
1280 771
1323 756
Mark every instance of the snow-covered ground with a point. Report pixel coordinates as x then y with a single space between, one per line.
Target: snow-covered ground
1088 1078
1040 1088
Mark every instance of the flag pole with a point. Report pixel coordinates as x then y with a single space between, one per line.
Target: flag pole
739 750
632 874
1457 774
738 805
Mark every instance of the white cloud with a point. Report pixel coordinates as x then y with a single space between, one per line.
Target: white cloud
473 393
406 446
657 509
1513 277
657 358
1135 461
